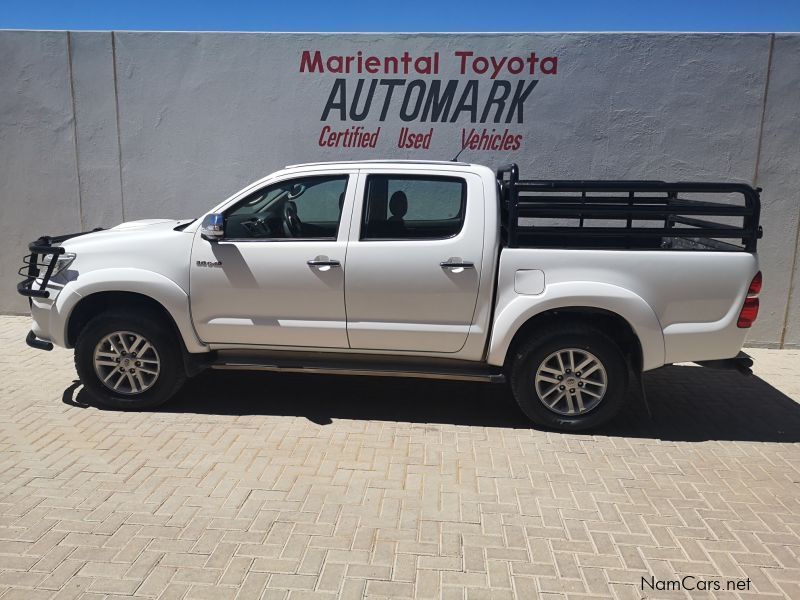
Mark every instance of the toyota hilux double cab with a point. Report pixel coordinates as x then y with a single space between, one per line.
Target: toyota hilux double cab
567 290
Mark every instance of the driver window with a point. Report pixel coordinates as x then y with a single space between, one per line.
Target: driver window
304 208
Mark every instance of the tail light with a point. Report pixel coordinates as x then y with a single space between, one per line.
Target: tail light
755 285
749 311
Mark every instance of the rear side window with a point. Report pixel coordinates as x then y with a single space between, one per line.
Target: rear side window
400 207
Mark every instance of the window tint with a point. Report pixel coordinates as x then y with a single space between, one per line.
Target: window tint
413 207
303 208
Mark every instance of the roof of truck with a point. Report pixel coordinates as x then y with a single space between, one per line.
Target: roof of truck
372 162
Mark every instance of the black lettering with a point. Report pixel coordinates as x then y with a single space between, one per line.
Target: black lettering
496 98
360 116
337 99
419 86
468 102
436 104
518 100
390 85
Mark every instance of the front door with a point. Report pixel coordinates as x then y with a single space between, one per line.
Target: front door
277 276
414 261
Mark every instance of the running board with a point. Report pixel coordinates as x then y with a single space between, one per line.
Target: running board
343 368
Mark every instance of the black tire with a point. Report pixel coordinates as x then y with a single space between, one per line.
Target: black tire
530 356
161 336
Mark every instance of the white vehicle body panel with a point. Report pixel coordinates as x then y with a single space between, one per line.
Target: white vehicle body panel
264 293
133 257
239 302
399 297
392 297
679 308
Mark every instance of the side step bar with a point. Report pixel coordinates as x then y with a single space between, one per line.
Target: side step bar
357 368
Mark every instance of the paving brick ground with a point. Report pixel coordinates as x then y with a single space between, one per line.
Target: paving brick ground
276 486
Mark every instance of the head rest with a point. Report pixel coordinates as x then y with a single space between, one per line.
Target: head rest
398 204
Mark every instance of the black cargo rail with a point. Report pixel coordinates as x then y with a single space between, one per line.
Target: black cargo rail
32 268
652 214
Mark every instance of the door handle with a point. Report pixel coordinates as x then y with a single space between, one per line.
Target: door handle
323 262
456 263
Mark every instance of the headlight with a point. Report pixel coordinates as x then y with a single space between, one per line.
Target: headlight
62 261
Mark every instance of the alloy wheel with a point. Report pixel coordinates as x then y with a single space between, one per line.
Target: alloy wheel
126 362
571 381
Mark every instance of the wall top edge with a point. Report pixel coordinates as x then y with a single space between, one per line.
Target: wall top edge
406 33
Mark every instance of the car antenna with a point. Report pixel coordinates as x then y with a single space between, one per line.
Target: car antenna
464 147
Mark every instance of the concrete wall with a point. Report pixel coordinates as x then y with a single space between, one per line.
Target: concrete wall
96 128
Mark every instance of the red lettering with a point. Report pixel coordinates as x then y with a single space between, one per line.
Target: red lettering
406 60
463 55
549 65
323 134
515 65
485 140
532 60
497 65
309 64
335 64
423 65
480 65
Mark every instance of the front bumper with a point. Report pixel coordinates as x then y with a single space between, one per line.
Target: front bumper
48 315
35 342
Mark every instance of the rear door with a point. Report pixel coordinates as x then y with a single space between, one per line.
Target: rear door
414 260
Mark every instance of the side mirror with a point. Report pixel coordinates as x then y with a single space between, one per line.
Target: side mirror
213 227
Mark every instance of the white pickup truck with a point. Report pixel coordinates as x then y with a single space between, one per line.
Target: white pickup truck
568 290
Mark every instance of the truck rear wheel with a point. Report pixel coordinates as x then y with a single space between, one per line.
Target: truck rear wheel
570 378
129 359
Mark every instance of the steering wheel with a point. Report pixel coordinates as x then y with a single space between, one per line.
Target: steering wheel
292 223
256 227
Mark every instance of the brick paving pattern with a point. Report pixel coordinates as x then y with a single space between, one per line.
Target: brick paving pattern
289 486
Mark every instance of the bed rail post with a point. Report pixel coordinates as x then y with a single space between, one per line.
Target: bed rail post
512 199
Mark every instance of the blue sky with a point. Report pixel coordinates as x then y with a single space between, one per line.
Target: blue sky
405 15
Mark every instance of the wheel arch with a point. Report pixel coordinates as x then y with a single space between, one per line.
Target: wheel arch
610 323
127 287
623 315
98 302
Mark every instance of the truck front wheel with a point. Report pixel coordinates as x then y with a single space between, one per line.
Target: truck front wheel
129 359
570 378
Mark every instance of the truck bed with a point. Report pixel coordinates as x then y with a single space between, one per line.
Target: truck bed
629 215
675 258
682 305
